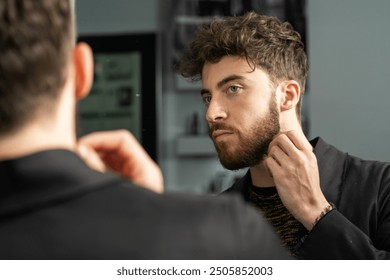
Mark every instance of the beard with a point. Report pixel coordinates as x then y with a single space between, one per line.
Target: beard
253 143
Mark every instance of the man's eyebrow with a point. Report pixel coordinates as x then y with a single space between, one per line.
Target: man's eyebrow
204 91
223 82
229 79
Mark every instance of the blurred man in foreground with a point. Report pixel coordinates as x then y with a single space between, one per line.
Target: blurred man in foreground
52 205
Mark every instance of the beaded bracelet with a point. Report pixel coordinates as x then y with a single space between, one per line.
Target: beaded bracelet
327 209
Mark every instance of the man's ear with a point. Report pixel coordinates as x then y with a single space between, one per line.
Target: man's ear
290 92
83 63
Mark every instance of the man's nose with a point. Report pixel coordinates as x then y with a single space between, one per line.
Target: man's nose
215 111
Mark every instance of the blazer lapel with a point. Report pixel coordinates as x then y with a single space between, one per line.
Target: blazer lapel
331 164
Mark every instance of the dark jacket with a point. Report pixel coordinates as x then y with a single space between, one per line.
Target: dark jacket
52 206
360 226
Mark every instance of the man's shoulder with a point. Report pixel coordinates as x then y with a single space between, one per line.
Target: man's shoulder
330 157
374 171
180 209
322 146
225 223
175 205
197 204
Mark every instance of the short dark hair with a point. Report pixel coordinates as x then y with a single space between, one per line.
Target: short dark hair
264 41
36 38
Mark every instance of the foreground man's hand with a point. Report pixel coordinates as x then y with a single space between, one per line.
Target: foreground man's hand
293 165
120 151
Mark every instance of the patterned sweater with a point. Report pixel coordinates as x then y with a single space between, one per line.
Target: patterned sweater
268 202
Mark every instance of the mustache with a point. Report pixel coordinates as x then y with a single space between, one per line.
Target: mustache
220 126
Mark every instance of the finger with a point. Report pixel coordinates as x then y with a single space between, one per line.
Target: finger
265 164
122 142
109 140
283 142
299 140
120 151
91 158
279 155
275 140
272 166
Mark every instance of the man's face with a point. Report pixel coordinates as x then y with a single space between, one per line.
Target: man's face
242 111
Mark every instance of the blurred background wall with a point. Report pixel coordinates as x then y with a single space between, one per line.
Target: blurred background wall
349 49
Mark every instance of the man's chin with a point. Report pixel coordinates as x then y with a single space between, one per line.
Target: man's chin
234 157
233 163
232 167
230 164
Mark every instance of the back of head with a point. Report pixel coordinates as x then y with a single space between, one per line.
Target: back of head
36 38
264 41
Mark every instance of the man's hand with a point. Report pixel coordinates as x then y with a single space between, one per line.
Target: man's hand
293 165
120 151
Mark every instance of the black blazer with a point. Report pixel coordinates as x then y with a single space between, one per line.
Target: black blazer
52 206
360 226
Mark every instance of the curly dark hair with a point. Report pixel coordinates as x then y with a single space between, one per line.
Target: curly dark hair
264 41
36 38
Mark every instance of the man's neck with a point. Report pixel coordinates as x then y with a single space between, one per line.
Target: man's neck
35 138
260 176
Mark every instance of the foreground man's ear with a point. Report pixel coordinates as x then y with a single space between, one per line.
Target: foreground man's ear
83 64
291 92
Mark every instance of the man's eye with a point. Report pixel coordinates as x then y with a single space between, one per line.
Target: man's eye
234 89
206 99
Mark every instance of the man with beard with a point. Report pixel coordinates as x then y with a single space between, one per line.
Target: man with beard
323 203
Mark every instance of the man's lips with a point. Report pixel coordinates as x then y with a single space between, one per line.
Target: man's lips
220 132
